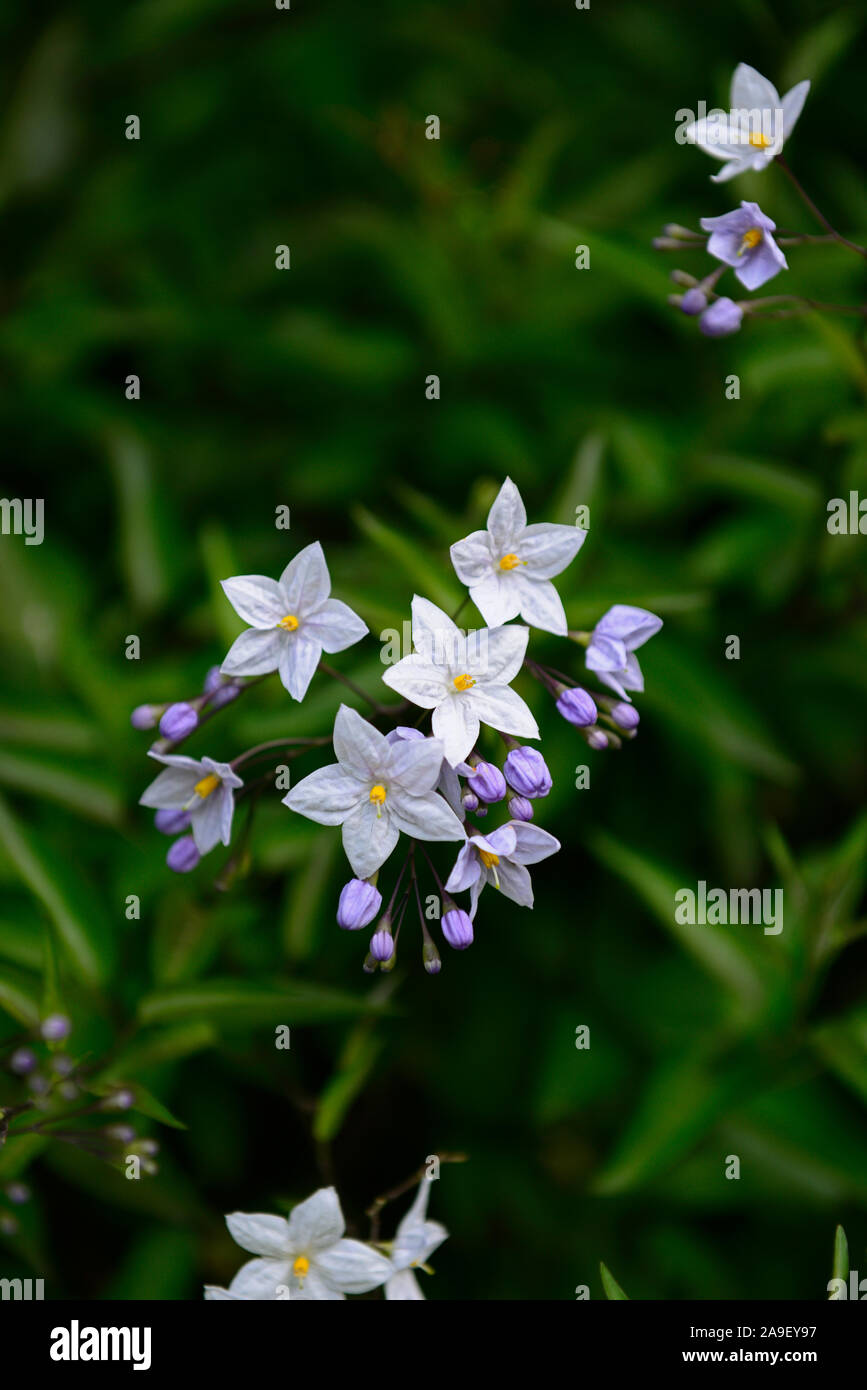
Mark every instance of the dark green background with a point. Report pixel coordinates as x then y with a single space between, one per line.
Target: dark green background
306 388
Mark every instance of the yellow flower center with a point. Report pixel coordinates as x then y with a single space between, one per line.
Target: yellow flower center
750 240
463 682
207 785
759 141
378 794
290 622
511 562
488 858
301 1267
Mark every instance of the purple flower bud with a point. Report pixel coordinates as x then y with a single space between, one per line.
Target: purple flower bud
693 302
123 1099
488 782
148 1146
359 904
61 1064
724 316
55 1027
122 1134
183 856
577 706
143 717
597 739
625 716
18 1193
22 1061
520 808
527 771
382 945
469 801
457 928
38 1084
221 691
179 720
171 822
431 958
481 811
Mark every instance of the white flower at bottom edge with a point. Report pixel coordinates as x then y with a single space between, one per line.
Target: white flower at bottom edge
204 788
304 1259
292 622
500 859
463 678
415 1241
375 790
508 567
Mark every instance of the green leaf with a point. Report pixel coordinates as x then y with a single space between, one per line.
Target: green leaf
48 781
19 996
145 1103
840 1268
360 1057
237 1002
84 947
612 1289
423 573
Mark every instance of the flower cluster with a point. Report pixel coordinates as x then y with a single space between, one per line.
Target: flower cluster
57 1095
428 781
749 137
308 1258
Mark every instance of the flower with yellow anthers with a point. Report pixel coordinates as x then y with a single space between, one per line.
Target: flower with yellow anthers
754 130
205 789
744 239
376 789
303 1259
500 859
464 678
509 566
292 622
414 1243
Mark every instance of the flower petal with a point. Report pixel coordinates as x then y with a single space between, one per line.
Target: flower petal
334 626
515 882
298 661
793 105
305 581
353 1267
633 626
207 821
359 746
424 817
255 652
749 90
415 766
403 1287
506 518
503 709
417 680
260 1232
260 1280
496 597
256 599
434 634
532 843
465 871
328 795
316 1223
495 654
369 836
171 789
472 557
541 605
547 548
456 724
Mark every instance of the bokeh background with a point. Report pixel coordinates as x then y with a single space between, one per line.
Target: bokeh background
305 388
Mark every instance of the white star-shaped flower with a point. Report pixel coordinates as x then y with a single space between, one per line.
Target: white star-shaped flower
415 1241
375 790
463 678
292 622
304 1258
204 788
509 567
611 651
500 858
754 131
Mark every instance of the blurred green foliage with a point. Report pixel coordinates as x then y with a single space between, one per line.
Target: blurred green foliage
306 388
